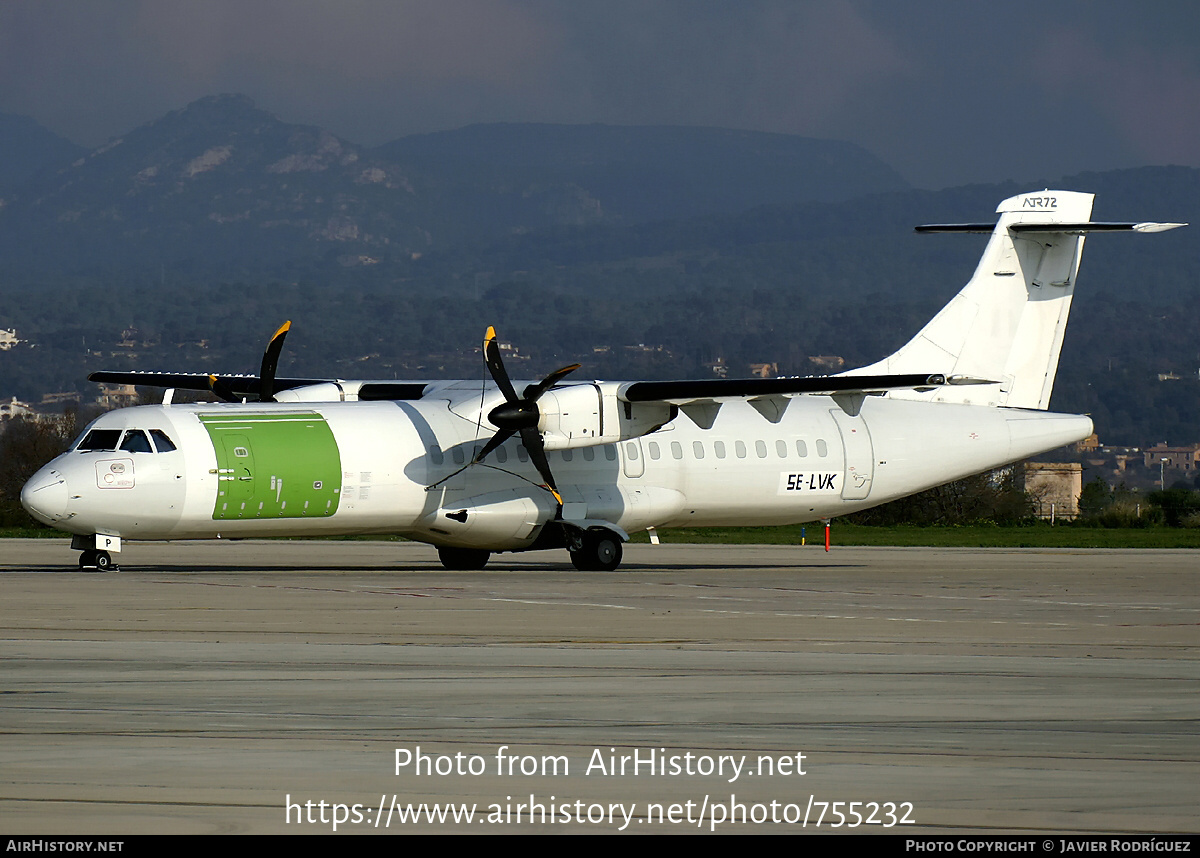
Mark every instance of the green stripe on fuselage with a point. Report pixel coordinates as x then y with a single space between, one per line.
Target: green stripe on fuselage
274 465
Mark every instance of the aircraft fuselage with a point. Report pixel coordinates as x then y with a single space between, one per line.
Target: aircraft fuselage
401 467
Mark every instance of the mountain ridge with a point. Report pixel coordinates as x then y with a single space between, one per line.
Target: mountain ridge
222 183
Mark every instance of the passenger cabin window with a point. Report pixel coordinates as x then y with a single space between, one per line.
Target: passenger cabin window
822 448
501 454
698 449
655 453
589 454
522 454
435 453
719 449
781 449
676 450
610 452
100 439
739 447
568 455
760 447
801 449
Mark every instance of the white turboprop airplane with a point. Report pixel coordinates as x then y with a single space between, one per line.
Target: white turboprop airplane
474 468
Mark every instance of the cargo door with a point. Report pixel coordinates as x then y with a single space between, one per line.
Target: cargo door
860 455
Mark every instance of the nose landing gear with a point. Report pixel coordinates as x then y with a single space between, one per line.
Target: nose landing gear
95 556
99 561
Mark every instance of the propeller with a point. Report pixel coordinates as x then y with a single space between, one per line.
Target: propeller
519 415
266 373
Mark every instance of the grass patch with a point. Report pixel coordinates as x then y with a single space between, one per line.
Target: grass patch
32 533
967 536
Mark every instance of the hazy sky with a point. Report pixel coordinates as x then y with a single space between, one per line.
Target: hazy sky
946 91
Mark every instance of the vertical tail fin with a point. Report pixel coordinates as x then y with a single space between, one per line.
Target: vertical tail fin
1007 323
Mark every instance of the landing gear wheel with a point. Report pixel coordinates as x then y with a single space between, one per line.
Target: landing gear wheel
600 552
464 558
101 561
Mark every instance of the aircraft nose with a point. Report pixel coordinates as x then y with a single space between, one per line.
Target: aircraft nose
45 496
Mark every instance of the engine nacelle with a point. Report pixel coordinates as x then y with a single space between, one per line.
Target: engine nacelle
497 521
326 391
585 415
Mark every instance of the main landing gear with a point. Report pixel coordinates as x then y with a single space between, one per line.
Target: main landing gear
464 558
596 551
94 559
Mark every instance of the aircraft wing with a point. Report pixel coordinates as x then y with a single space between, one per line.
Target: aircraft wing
249 386
675 392
241 385
680 392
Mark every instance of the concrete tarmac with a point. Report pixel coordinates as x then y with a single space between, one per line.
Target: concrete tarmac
235 686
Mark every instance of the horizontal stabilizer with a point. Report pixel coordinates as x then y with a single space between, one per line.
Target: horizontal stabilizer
1084 228
1068 228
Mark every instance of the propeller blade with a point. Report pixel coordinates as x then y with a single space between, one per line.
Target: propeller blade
270 362
222 390
497 439
532 440
491 357
534 391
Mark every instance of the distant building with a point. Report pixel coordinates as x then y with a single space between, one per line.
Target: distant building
764 370
117 395
1090 444
830 362
1176 458
15 408
8 338
1053 487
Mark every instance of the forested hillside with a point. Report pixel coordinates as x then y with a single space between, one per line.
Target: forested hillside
184 244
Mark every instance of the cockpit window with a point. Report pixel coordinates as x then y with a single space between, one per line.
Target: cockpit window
100 439
161 441
135 441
